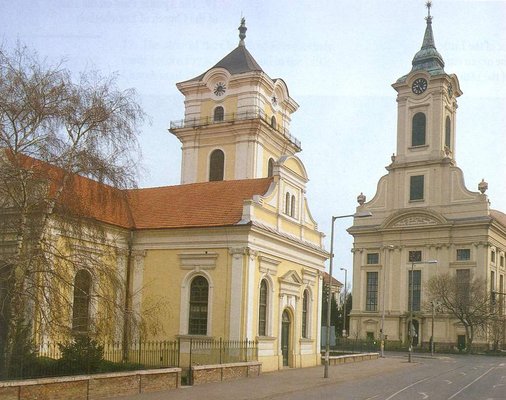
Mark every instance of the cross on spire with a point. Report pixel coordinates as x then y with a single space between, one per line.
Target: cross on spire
242 31
428 5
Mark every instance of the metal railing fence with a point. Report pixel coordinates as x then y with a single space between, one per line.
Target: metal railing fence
252 113
47 359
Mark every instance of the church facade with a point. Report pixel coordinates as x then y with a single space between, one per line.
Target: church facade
234 248
425 221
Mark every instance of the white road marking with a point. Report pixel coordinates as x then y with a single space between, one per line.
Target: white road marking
463 373
465 387
448 382
373 397
407 387
425 396
499 384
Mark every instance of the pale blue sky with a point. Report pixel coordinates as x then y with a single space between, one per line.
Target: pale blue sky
337 57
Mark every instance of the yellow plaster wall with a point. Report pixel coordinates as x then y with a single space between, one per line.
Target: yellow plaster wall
290 227
163 277
229 104
207 146
267 216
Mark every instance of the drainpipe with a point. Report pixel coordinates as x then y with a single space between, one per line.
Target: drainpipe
128 300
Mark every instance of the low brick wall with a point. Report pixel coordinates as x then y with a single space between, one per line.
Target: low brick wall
334 360
92 387
223 372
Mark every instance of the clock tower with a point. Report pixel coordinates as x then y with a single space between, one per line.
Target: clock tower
425 221
427 105
237 121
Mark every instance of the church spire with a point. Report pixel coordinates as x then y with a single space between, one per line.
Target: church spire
242 31
428 58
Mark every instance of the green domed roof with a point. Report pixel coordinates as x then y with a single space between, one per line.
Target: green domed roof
427 58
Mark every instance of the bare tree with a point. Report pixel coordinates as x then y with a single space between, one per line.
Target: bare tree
465 299
55 133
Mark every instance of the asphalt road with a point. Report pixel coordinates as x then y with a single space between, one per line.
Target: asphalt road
456 377
442 378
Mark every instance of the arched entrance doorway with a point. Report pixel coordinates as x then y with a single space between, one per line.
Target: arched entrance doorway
414 334
285 337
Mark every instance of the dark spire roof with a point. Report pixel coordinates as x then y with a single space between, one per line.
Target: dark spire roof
239 60
428 58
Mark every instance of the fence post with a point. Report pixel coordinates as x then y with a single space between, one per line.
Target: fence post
247 349
139 358
190 374
221 344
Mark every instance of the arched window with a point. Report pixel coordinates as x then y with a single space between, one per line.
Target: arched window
292 207
305 314
287 203
81 304
270 168
418 130
448 132
273 122
216 165
262 309
199 291
219 114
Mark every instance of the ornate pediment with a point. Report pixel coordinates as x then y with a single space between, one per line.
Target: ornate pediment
414 218
290 283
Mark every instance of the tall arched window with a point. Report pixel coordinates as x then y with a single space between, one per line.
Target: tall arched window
448 133
418 130
292 207
305 314
199 297
262 309
287 203
219 114
273 122
216 165
270 168
81 304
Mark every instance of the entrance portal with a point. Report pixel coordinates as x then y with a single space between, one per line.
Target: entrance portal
285 337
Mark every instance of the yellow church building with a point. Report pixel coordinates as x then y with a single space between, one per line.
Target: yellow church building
233 251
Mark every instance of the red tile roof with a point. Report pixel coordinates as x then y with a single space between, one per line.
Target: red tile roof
193 205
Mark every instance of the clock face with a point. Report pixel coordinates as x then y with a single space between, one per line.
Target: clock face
450 90
220 88
419 86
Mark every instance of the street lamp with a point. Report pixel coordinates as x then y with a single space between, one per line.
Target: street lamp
411 328
344 306
362 214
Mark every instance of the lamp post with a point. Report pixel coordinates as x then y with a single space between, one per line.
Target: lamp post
411 328
432 330
344 306
363 214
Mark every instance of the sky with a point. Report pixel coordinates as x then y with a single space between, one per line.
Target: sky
338 58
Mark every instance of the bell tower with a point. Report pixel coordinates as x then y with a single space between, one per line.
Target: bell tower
427 105
237 120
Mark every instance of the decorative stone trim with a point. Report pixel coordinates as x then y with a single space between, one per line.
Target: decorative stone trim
198 260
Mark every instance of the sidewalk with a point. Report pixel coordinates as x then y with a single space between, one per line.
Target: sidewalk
279 382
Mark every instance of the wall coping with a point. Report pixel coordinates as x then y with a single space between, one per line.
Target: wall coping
229 365
351 355
75 378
